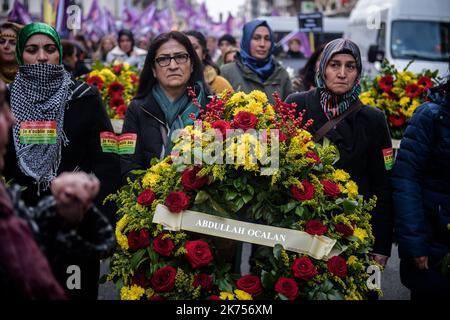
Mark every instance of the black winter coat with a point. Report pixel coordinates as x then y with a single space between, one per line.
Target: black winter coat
84 119
421 181
145 118
360 138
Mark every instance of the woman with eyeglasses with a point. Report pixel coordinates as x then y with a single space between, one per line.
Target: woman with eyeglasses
58 128
162 104
254 67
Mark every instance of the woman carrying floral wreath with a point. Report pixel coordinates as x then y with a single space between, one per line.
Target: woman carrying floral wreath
162 104
362 137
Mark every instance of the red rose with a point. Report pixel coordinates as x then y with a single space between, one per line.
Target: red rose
163 280
146 197
177 201
191 181
344 229
139 278
330 189
250 284
287 287
313 155
198 253
315 227
303 268
163 246
337 266
155 297
397 120
203 280
307 193
222 125
138 239
213 297
245 120
386 83
117 68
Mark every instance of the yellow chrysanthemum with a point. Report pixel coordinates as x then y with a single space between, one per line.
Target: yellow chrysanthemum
361 234
236 98
131 293
404 101
341 175
352 260
122 239
226 296
150 180
270 111
242 295
352 189
258 96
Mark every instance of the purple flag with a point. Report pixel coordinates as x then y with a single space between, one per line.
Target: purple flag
19 14
296 34
148 15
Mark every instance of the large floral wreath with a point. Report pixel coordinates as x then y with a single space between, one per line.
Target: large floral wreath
398 94
304 193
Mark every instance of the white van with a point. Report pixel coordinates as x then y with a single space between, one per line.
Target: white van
333 27
401 31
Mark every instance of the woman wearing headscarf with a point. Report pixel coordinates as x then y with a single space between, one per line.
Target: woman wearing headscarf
162 104
359 132
126 51
216 83
59 125
255 68
8 63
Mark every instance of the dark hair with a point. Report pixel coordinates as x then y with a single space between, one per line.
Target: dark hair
202 41
227 37
12 25
147 80
308 72
68 48
129 34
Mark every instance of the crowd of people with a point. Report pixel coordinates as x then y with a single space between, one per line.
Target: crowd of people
60 220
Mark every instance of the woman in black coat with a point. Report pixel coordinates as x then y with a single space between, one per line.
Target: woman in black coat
58 126
162 104
362 137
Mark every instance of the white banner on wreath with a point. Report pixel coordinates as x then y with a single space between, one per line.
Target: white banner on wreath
318 247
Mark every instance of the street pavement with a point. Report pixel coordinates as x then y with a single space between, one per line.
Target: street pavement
390 282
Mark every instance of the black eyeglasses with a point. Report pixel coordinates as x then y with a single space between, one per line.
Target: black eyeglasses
179 59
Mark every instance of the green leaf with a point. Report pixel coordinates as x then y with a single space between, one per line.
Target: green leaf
277 251
289 206
225 285
350 205
137 256
230 195
282 297
299 211
267 279
237 184
247 198
250 189
201 197
153 255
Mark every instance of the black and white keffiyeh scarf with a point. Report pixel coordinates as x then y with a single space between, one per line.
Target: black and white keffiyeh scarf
40 93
